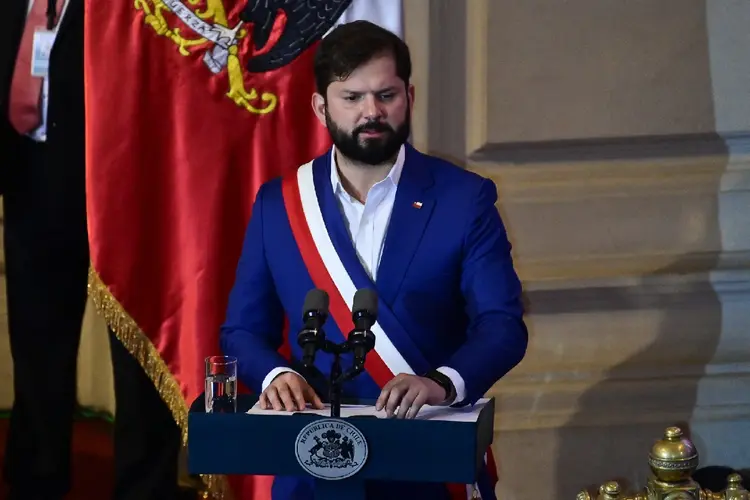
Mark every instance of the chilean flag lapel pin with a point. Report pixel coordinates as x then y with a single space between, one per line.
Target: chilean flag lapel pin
417 204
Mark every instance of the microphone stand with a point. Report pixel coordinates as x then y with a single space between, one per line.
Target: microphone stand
338 376
334 387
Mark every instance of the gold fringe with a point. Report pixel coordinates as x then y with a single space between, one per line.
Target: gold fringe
133 338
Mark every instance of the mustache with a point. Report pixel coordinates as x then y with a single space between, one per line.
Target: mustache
373 127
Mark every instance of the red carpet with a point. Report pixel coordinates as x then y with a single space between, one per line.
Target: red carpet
92 460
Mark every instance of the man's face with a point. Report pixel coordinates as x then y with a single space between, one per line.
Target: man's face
369 114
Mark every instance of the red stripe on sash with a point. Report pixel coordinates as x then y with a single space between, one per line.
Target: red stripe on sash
338 309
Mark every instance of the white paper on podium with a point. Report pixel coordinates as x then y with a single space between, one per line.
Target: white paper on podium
445 413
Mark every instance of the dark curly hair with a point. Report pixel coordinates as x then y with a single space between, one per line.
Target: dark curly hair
350 45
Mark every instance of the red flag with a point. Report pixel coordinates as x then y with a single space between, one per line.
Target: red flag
180 137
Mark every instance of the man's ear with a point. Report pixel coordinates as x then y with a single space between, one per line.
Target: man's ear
319 107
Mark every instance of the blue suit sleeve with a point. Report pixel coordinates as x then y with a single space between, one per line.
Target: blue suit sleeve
497 336
253 328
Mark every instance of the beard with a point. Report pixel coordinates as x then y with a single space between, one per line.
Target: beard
370 150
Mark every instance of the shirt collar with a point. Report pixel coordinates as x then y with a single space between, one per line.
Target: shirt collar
393 176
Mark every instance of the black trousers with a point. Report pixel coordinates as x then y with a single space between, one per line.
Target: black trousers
46 263
147 440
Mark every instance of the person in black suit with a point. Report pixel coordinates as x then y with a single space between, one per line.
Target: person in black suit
42 178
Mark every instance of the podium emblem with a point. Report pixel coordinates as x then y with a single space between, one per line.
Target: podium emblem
331 448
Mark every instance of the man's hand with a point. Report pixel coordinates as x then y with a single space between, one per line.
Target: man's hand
409 393
289 392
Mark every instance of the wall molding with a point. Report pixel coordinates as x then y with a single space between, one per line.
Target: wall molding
598 149
614 148
569 179
669 272
601 400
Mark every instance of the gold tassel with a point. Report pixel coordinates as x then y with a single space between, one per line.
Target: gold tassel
135 341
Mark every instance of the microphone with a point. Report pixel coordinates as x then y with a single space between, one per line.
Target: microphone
314 315
364 315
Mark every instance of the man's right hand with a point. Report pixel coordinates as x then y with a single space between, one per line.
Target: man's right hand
289 392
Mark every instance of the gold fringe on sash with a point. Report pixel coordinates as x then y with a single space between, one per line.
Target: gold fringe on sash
139 345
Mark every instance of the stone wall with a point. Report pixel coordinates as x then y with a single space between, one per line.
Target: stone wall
618 134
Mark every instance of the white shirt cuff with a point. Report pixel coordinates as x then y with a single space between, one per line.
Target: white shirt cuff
275 373
458 383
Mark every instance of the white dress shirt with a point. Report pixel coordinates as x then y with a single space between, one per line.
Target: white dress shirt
40 133
367 224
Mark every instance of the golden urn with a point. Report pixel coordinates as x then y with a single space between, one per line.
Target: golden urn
673 460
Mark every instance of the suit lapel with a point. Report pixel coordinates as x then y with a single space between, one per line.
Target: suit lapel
411 213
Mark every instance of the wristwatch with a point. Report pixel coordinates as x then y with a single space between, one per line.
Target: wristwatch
445 382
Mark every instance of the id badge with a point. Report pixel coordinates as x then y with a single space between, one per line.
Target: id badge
42 47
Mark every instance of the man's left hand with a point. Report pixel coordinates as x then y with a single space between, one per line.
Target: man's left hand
409 393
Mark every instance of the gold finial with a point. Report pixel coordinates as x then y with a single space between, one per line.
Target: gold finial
673 433
674 457
735 481
609 491
611 488
735 490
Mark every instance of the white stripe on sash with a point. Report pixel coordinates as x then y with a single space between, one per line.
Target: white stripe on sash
344 284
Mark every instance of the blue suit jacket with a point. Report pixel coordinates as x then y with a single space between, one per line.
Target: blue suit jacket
446 275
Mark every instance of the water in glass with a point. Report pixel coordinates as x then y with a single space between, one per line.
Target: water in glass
221 393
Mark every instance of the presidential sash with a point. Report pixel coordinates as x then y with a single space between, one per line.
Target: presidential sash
328 272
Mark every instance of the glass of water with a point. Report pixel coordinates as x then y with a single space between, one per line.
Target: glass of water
221 384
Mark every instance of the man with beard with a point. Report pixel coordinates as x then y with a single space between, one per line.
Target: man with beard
375 213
